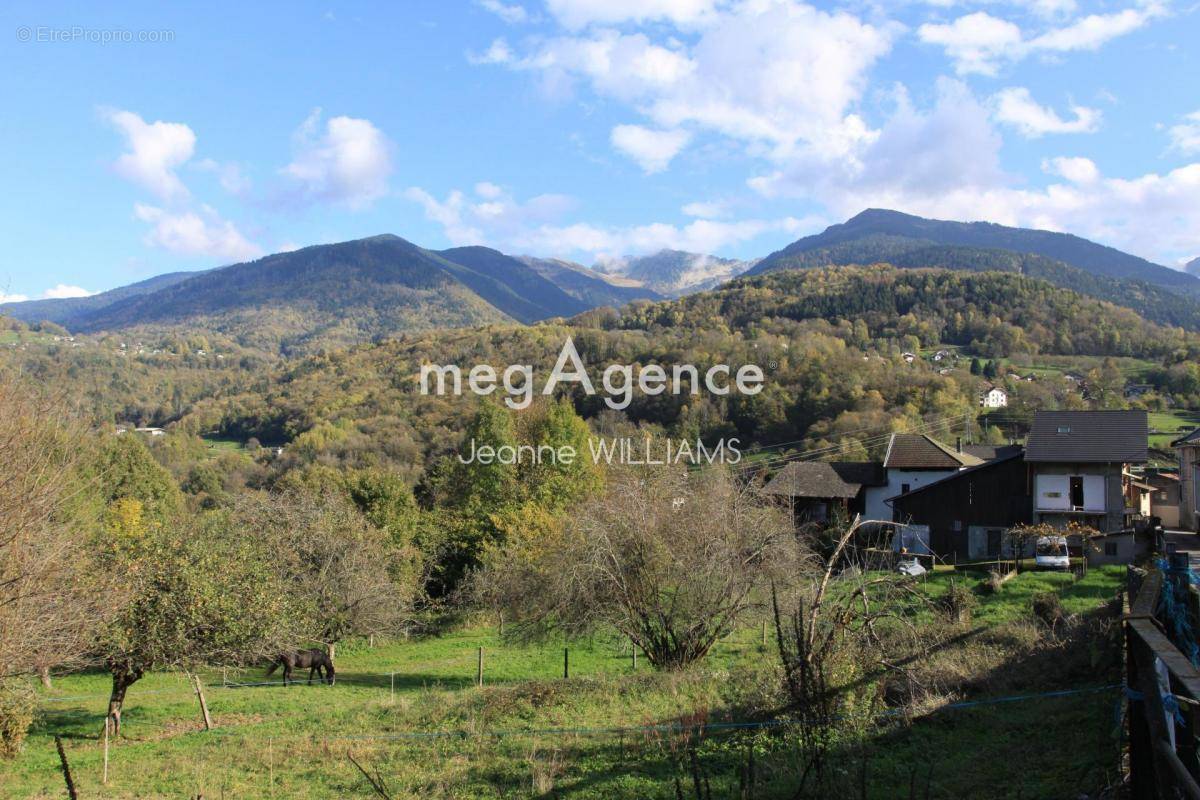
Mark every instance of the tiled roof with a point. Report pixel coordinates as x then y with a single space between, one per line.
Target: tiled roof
990 452
1088 437
918 451
1191 438
824 479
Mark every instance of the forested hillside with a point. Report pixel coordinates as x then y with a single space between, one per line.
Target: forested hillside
892 226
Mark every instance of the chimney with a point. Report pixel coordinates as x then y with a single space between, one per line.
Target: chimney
958 444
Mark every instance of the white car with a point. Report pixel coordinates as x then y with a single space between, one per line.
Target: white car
1051 553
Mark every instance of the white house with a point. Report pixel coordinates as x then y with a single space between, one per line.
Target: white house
994 397
912 460
1079 467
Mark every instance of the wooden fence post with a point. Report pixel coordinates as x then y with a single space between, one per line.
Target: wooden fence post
107 726
566 663
392 689
633 652
208 723
66 768
479 670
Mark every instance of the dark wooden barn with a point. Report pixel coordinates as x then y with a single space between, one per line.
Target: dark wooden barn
968 512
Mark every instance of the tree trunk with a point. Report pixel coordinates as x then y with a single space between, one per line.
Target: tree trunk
122 679
44 674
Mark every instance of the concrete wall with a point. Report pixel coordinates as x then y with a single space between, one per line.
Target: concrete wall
1104 500
1189 485
1122 543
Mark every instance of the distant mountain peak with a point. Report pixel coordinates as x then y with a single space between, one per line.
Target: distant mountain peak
674 272
1193 267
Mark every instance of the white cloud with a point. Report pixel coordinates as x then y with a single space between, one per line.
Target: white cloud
537 226
1076 170
348 163
193 233
62 291
773 73
1096 30
975 42
511 14
13 298
1185 136
981 43
498 53
1016 107
705 209
651 149
944 163
575 14
155 151
228 175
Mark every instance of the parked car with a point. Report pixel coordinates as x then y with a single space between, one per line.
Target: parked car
1051 553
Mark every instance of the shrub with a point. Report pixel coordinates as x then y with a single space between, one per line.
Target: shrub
957 603
1048 608
16 715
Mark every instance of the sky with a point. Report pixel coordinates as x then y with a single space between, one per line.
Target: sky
145 138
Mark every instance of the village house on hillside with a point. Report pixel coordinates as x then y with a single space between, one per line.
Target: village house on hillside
993 397
1188 450
912 460
1079 467
1075 468
1165 499
821 491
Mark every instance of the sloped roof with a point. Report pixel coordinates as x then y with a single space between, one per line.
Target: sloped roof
820 479
1191 438
990 452
918 451
961 474
1088 437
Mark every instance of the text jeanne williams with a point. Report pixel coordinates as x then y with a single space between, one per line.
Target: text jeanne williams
611 451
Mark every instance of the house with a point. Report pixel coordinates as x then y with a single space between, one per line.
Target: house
909 357
969 512
994 397
912 460
1188 449
151 431
1136 390
1164 501
822 490
1122 547
1079 464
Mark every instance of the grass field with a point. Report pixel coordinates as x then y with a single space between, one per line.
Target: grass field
528 732
1173 424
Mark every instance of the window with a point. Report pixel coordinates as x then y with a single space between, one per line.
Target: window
1110 548
1076 491
904 488
1064 428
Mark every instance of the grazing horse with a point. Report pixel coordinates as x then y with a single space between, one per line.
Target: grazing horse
314 659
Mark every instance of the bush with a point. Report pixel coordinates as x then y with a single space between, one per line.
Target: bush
1048 608
16 715
957 603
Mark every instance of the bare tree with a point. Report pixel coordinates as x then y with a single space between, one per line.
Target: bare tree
841 631
50 604
667 557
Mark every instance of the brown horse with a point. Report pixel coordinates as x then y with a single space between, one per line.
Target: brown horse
314 660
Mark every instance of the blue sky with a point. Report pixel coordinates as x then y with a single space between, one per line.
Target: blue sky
581 128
